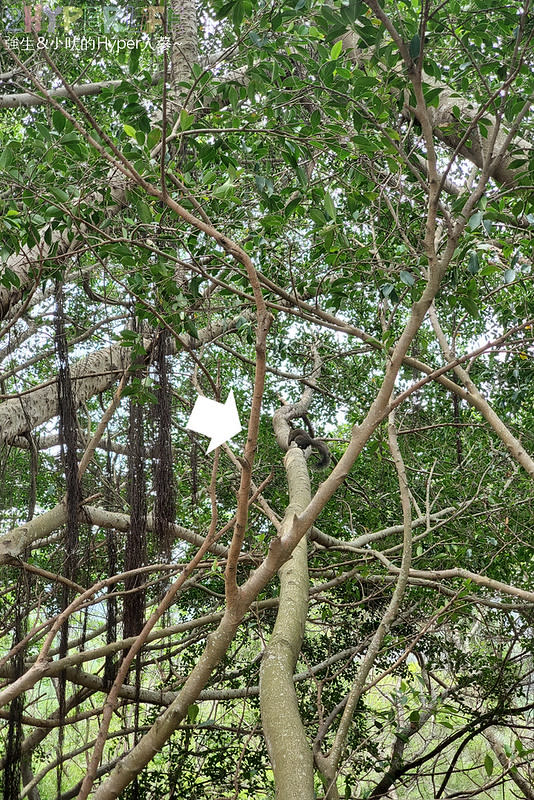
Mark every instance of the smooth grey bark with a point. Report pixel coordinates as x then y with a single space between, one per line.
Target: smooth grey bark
90 376
184 46
289 750
28 99
13 543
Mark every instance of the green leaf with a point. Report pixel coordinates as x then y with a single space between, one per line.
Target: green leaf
153 137
317 216
292 205
272 222
186 120
407 277
351 12
415 46
257 41
145 214
474 221
223 191
59 194
238 12
9 278
43 131
509 275
488 765
58 120
329 206
469 305
315 119
432 96
327 72
192 712
474 264
129 131
133 61
517 163
242 322
7 157
335 52
191 328
223 11
388 290
491 269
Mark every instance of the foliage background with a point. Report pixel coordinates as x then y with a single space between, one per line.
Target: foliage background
350 153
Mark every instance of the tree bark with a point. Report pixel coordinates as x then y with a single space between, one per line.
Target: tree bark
288 747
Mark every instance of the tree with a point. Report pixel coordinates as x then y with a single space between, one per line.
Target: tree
326 208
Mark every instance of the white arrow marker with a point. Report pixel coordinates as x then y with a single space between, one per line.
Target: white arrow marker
219 421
